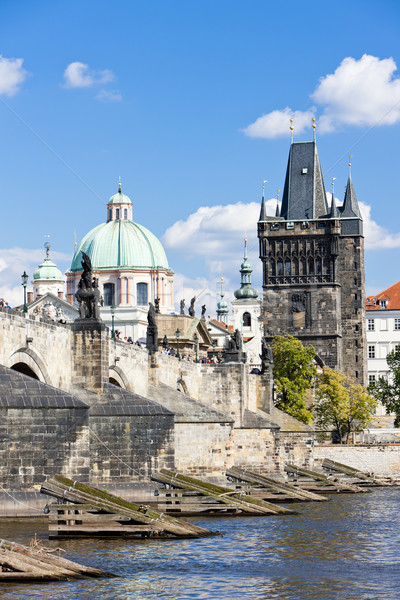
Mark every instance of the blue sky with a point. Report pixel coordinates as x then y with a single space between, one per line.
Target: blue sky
189 102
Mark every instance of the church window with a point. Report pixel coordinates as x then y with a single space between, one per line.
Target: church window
141 293
280 268
108 294
288 267
125 213
117 213
272 268
110 214
326 266
310 266
318 264
246 319
295 268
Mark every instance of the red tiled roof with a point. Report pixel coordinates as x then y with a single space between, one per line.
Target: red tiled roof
391 295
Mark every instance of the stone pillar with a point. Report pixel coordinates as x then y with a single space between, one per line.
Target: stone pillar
90 354
265 390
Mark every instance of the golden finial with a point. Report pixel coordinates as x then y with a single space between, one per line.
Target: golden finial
245 237
350 157
333 186
313 126
264 181
291 129
277 195
119 184
74 239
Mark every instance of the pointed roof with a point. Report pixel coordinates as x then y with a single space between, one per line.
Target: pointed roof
304 194
334 212
263 211
246 291
277 211
350 208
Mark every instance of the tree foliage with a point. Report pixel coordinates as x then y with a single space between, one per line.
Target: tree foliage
342 404
294 372
389 393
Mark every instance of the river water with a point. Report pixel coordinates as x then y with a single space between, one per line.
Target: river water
345 549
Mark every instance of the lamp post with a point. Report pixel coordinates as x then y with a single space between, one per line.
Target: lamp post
177 334
196 341
25 278
112 309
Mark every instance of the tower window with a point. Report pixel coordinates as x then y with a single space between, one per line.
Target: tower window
108 294
141 293
110 214
288 267
310 266
117 214
125 213
280 268
246 319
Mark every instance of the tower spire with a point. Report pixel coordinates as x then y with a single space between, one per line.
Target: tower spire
222 306
314 127
263 211
350 205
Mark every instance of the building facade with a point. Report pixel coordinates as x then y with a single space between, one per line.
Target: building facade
313 266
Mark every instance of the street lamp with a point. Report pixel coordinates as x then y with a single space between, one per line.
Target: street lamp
112 309
196 341
25 278
177 334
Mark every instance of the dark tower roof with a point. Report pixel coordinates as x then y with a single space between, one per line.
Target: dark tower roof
350 206
334 212
263 212
304 196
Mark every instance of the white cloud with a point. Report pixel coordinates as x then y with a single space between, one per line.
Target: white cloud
360 92
78 75
109 96
376 236
277 123
12 75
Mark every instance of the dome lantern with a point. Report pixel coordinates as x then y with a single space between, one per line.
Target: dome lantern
119 206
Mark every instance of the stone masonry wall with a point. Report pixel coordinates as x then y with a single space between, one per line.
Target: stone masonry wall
381 459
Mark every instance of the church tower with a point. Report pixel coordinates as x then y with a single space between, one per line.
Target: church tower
313 266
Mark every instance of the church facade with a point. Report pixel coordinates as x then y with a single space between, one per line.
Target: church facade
313 267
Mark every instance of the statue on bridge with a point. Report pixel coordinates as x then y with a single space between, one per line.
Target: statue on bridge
88 294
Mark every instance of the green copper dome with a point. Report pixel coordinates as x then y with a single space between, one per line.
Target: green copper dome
47 271
119 198
246 291
121 244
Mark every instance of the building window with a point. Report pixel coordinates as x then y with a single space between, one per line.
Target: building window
371 378
125 213
141 293
383 324
108 294
319 266
371 324
280 268
397 324
110 214
288 267
117 214
310 266
371 351
246 319
396 347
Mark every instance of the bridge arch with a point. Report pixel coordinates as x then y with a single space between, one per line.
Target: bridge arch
27 361
118 377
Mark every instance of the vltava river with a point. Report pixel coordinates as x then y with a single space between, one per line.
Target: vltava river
345 549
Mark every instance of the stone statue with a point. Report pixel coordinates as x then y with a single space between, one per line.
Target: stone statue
165 342
191 307
266 355
157 305
203 311
183 307
152 332
88 294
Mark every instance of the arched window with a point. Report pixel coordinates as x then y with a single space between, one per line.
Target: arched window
318 264
108 294
280 268
288 267
246 319
311 266
117 213
141 293
125 213
272 268
326 266
295 266
303 265
110 214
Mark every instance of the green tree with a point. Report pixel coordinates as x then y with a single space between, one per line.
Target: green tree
294 372
342 404
389 393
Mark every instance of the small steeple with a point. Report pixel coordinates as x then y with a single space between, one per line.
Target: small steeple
263 211
222 305
277 211
334 212
246 291
350 205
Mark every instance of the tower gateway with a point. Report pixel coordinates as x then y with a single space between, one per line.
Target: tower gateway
313 266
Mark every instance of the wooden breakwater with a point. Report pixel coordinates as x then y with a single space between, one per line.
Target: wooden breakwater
83 510
38 563
195 495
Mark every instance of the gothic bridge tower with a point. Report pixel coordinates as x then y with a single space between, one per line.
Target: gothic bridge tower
313 266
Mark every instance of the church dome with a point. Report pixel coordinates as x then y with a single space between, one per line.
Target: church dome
47 271
246 291
121 244
119 198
